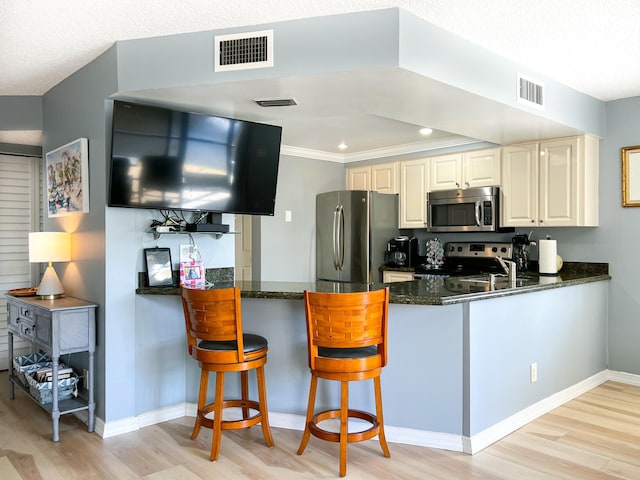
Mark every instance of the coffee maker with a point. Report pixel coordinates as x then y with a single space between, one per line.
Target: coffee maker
521 243
402 251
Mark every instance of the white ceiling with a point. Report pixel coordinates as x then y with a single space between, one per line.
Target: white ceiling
588 45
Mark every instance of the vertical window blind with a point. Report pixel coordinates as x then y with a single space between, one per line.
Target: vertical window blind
19 215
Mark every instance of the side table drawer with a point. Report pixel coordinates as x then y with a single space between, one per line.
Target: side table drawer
13 317
27 330
21 320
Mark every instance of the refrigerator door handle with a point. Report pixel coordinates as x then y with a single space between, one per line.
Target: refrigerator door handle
341 239
336 214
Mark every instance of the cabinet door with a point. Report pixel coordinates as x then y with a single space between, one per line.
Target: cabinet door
384 177
519 185
413 193
390 276
481 168
445 172
359 178
559 182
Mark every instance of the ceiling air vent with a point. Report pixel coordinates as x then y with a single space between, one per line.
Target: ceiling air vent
275 102
242 51
530 92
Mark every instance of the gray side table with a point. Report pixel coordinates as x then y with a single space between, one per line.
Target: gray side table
61 326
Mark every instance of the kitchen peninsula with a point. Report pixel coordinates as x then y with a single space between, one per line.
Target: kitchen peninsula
464 357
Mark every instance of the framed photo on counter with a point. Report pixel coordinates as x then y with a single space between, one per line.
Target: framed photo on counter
158 262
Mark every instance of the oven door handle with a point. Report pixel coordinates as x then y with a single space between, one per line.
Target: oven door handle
479 213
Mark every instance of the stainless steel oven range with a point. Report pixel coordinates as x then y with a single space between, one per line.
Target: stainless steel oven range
467 258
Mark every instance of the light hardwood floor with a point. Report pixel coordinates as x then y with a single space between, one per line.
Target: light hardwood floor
596 436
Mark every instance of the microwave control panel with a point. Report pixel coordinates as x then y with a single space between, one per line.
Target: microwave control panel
487 212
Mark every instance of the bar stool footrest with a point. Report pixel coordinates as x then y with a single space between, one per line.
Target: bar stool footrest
359 436
231 424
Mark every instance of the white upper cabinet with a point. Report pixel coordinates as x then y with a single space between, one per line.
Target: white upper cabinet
478 168
359 178
481 168
382 177
414 181
519 185
445 172
551 183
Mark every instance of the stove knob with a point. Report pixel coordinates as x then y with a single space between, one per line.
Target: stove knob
494 249
503 249
459 249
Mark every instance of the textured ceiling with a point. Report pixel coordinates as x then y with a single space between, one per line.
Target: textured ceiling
589 45
586 44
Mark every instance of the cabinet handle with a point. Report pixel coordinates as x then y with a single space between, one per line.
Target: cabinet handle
457 185
17 320
533 221
466 184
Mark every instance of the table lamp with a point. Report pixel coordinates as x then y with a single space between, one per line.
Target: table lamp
50 247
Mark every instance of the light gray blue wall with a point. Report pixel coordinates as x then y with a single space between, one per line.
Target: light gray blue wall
21 112
322 44
562 330
287 250
75 109
617 237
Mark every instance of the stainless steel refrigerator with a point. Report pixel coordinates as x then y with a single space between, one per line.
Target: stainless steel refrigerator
352 231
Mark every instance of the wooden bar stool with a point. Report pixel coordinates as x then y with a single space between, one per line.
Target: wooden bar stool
347 341
213 320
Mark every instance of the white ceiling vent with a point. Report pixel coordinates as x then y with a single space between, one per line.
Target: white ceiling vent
242 51
530 92
276 102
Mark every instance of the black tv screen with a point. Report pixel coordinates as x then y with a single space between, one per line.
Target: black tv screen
168 159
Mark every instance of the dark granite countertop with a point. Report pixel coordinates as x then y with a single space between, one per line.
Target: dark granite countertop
437 291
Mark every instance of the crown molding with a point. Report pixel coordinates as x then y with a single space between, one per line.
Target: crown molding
397 150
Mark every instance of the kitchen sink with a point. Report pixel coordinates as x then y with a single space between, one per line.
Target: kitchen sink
500 281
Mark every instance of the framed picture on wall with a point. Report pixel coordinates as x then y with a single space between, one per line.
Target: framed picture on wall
631 176
67 179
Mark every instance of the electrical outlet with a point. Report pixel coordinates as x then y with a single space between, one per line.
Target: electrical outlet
85 379
533 371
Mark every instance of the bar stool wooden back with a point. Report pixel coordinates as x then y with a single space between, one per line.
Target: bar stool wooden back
213 320
347 341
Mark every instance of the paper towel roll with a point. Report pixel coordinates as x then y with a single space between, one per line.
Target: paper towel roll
547 257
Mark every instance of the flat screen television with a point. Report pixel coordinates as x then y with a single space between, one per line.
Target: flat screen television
175 160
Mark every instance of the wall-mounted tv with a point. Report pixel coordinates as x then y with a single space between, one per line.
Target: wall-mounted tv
174 160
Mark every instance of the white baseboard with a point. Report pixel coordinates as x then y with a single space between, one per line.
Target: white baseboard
509 425
622 377
132 424
409 436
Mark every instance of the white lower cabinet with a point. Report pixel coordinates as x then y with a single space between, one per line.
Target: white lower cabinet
393 276
552 183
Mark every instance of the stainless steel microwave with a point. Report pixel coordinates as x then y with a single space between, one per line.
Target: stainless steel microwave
470 210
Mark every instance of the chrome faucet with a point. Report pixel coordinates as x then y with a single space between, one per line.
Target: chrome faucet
509 268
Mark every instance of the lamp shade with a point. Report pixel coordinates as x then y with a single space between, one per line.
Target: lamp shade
49 247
